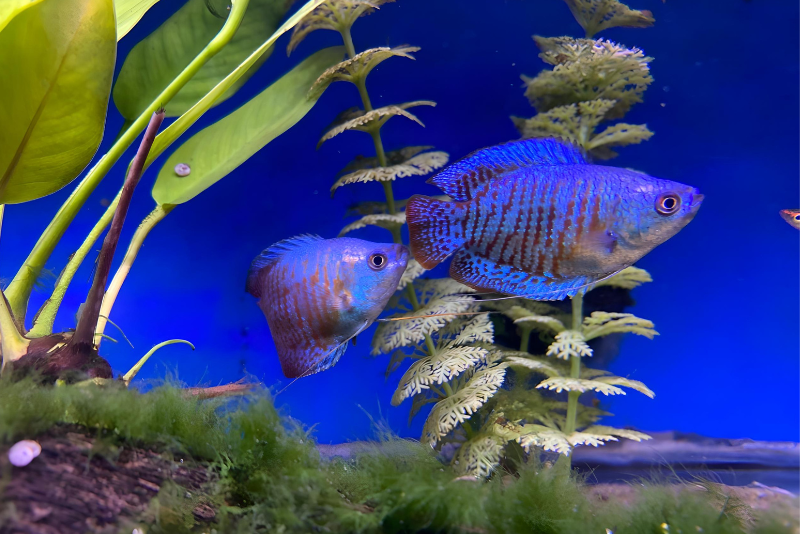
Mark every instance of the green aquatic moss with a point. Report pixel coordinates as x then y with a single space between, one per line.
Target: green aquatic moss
268 476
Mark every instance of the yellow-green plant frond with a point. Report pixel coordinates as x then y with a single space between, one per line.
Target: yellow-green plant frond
541 322
337 15
590 372
628 278
460 406
618 432
357 67
479 456
594 439
442 366
595 16
548 439
557 50
477 330
418 165
577 123
413 271
371 121
529 405
627 383
535 364
394 157
567 344
605 71
559 384
441 288
382 220
621 134
439 300
605 323
516 308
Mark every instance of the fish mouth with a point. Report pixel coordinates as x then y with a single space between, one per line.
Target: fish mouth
697 199
403 254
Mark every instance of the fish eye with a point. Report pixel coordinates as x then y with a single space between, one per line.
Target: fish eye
797 217
668 203
378 261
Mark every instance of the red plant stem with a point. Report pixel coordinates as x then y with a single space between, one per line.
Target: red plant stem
84 332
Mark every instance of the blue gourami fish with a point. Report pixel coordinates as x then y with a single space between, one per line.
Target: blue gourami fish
318 294
792 217
533 218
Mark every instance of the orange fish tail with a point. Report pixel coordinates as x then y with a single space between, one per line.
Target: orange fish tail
435 229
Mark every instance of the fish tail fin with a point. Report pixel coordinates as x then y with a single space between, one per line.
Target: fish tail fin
435 228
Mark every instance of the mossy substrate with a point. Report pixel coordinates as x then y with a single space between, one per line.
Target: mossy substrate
115 459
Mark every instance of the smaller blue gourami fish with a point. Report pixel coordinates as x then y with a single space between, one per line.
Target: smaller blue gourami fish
533 218
317 294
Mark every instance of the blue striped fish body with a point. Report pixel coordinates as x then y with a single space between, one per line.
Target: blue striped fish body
533 218
317 294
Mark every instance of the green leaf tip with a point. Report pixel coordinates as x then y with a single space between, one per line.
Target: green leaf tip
217 150
127 377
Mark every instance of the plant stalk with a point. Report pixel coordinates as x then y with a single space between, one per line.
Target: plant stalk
397 237
149 222
13 345
575 372
19 290
84 332
525 336
45 318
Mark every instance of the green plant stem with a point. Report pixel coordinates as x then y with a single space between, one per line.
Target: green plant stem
447 388
149 222
19 290
13 345
44 320
575 372
397 237
127 377
525 336
360 84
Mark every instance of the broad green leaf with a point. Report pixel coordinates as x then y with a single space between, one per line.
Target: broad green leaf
10 8
218 149
129 12
185 121
57 63
162 55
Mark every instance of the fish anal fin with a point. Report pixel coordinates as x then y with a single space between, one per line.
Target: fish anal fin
476 271
463 178
271 255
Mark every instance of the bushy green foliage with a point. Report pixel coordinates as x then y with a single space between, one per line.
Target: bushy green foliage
592 81
269 477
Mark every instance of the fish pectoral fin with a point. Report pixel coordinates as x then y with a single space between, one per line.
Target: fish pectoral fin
601 241
477 271
331 358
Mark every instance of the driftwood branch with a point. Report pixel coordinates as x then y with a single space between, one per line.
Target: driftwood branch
228 390
84 332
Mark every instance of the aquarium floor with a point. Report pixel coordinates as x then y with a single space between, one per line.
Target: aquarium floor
81 483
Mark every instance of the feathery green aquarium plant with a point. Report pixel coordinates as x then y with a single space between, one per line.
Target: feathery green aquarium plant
592 81
58 64
457 367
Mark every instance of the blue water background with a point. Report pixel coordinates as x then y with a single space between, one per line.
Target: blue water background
724 107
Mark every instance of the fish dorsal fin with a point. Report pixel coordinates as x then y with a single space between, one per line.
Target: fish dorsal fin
271 255
461 179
